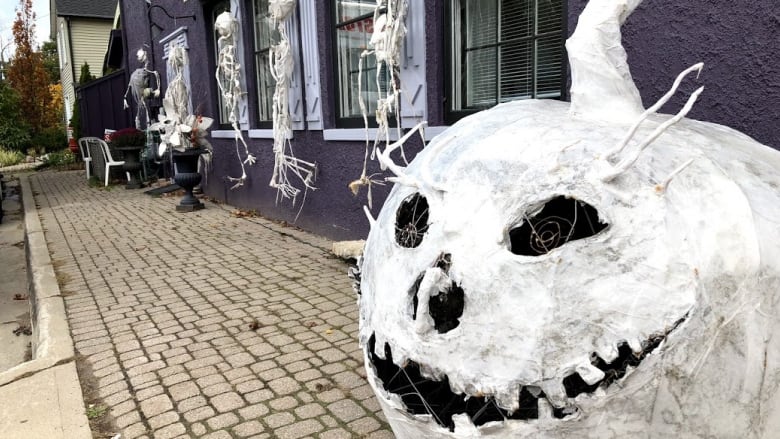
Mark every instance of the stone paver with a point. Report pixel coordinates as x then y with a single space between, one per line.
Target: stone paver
202 324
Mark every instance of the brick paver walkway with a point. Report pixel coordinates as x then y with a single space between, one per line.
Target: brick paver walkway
161 305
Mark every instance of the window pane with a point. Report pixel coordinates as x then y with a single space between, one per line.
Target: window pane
517 69
517 19
550 16
348 10
265 86
223 6
263 25
352 42
265 36
550 64
481 22
481 78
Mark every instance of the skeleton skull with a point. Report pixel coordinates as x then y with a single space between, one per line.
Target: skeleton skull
509 290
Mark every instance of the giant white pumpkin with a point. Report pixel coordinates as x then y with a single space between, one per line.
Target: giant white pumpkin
529 280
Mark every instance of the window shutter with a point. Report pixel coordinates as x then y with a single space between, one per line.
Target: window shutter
296 91
311 64
413 95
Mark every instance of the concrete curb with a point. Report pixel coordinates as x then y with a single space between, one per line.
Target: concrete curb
52 343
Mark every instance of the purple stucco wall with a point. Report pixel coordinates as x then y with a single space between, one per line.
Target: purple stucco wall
331 210
739 43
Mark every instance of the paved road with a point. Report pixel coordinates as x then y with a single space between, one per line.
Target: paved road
162 304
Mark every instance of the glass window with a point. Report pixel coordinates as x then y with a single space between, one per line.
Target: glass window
265 36
502 50
218 8
354 23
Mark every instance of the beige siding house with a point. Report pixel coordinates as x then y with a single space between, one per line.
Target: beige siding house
82 29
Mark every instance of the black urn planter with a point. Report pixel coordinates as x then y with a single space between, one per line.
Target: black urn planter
187 176
132 165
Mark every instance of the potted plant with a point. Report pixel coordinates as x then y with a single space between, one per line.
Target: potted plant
130 141
127 137
185 139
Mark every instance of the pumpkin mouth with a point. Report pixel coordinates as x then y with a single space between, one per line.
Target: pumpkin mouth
434 397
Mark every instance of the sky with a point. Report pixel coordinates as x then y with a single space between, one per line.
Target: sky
8 15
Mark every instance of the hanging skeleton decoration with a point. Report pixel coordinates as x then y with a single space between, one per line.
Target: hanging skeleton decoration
584 270
139 88
387 43
179 129
282 66
229 81
285 161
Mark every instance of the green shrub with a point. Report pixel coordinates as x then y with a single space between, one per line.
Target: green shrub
10 157
14 132
75 120
59 158
51 139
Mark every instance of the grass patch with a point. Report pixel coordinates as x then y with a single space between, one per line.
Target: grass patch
97 183
95 411
58 159
9 157
100 420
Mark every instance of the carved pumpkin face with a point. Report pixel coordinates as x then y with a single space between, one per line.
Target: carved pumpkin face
509 291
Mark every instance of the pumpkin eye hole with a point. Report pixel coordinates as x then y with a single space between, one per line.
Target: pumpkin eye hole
411 221
561 220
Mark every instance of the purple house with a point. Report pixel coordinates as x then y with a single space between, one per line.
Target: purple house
460 56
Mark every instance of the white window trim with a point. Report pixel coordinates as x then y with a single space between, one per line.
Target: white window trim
359 134
354 134
266 134
252 134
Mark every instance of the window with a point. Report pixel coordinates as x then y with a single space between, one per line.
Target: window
502 50
218 8
265 36
354 24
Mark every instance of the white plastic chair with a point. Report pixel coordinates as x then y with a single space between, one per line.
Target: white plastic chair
109 160
84 148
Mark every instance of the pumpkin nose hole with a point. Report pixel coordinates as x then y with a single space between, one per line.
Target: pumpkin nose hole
561 220
411 221
444 306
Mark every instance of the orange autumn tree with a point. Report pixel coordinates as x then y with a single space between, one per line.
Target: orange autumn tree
54 111
27 74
